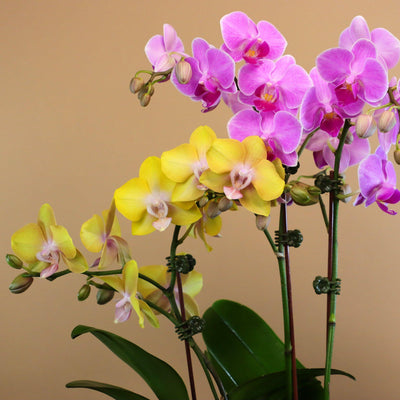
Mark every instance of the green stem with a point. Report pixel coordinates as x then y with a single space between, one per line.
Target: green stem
323 210
303 146
333 263
208 368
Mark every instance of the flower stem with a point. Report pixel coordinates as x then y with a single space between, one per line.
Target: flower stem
333 262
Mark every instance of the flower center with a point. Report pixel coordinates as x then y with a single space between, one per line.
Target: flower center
241 177
198 168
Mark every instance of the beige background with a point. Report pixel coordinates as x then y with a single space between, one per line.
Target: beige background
72 132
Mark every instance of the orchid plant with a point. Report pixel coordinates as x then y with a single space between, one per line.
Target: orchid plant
279 111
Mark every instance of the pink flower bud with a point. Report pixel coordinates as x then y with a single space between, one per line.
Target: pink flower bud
365 126
262 221
183 72
387 121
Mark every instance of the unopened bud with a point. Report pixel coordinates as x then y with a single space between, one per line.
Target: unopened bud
20 284
365 126
136 84
84 292
13 261
202 202
396 156
344 194
104 296
262 221
145 99
303 194
387 121
212 210
349 138
224 204
183 71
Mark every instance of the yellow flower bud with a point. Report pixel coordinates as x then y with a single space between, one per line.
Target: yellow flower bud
13 261
84 292
303 194
104 296
20 284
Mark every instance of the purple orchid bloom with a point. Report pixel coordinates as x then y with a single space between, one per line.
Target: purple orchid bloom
273 86
387 45
244 40
320 107
164 51
281 134
356 74
213 72
377 179
323 146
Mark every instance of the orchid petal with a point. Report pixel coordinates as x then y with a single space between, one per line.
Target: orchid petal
130 198
63 241
27 242
157 273
388 46
143 226
46 218
334 64
254 203
148 313
184 217
130 276
78 264
92 234
214 181
150 170
255 149
267 182
202 138
176 164
224 154
193 283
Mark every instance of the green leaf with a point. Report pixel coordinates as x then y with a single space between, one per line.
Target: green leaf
235 337
162 378
273 386
115 392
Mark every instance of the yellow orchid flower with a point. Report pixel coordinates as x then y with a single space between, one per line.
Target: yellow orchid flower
127 287
147 201
242 172
191 286
45 244
187 162
103 234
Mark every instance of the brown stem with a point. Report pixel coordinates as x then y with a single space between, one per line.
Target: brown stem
290 304
187 345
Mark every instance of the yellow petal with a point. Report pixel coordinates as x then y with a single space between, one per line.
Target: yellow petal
136 306
46 218
149 314
267 180
114 281
187 191
191 307
177 163
212 226
92 234
150 171
78 264
254 203
214 181
224 154
63 241
157 273
193 283
130 198
202 138
130 276
27 242
144 226
111 221
184 217
255 149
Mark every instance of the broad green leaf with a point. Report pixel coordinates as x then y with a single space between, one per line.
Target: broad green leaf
235 337
162 378
115 392
273 386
